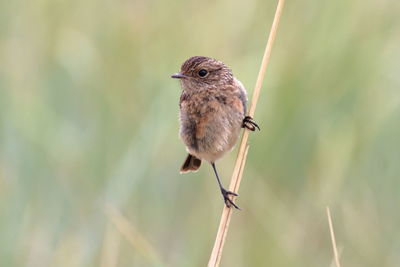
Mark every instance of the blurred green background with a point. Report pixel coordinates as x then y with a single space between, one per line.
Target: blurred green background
89 147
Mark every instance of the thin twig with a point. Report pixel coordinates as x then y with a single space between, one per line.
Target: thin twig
335 252
243 148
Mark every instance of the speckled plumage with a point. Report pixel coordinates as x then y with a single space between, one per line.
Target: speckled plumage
212 113
212 108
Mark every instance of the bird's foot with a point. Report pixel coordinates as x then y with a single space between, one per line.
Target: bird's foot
250 124
228 201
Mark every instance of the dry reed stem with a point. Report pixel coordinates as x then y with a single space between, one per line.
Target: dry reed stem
243 148
335 252
132 235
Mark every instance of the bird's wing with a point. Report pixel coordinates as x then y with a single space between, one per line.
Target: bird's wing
242 95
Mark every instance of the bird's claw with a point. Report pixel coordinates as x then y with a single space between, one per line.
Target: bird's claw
228 201
250 124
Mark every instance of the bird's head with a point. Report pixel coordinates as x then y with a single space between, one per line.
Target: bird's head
199 73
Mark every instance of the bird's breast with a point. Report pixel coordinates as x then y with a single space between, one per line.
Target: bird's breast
210 123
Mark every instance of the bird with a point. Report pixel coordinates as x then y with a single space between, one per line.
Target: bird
212 112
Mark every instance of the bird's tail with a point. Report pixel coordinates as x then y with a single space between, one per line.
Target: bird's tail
191 164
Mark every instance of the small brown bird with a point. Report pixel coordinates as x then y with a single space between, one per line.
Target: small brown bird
212 112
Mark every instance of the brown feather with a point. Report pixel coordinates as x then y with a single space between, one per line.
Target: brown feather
191 164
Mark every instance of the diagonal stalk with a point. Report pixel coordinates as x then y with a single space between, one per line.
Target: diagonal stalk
243 148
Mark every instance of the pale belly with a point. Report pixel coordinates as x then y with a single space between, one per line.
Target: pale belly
211 137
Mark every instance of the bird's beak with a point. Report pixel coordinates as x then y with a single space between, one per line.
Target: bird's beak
178 75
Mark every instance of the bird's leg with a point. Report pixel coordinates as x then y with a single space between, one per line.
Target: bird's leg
250 124
225 193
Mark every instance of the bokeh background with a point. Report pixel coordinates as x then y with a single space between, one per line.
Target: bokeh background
89 147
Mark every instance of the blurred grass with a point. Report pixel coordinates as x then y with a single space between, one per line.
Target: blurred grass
88 117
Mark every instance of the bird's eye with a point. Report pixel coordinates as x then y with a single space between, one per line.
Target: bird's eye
203 73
